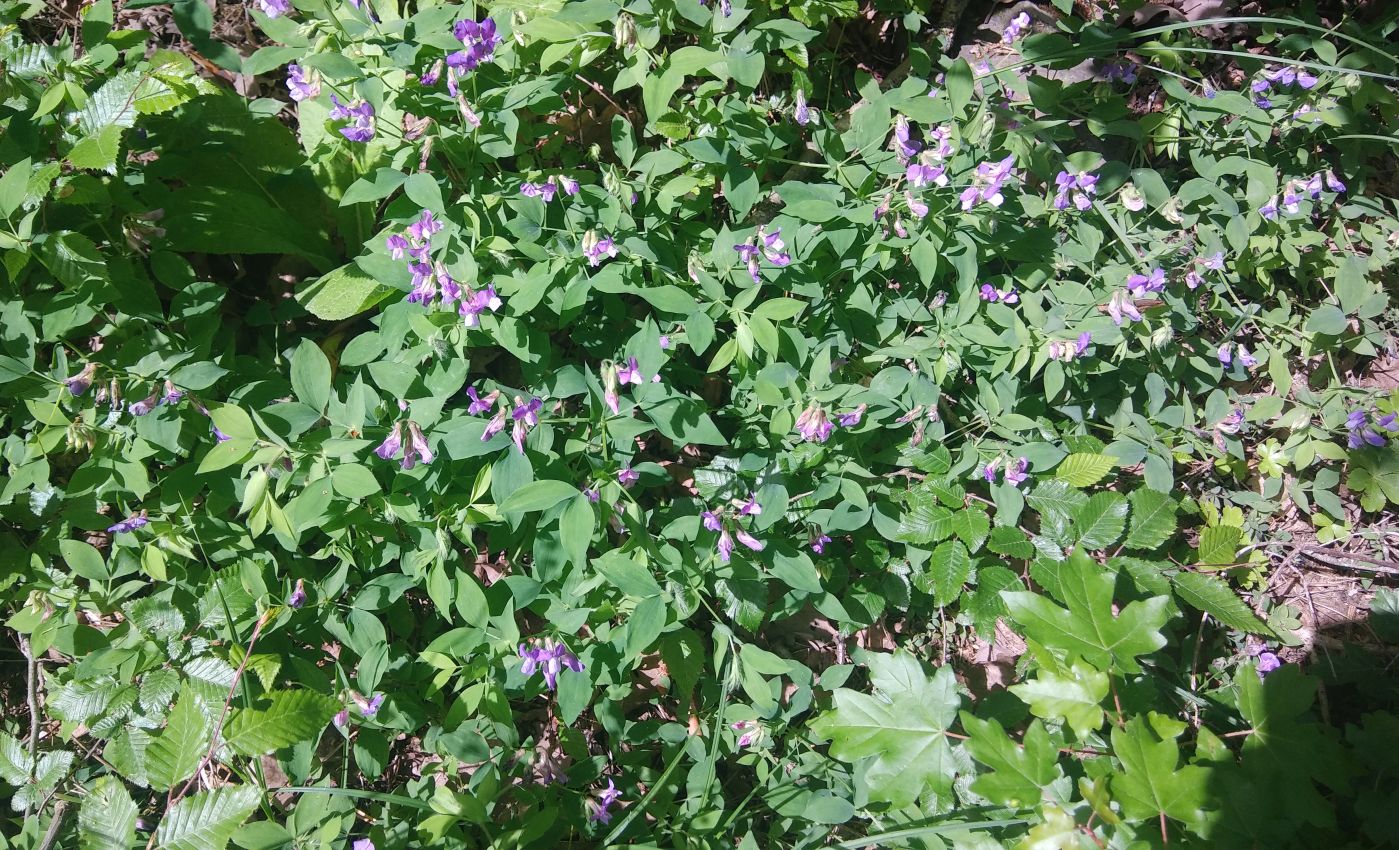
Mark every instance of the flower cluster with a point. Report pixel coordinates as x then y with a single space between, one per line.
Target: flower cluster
1123 306
547 189
360 116
750 732
1121 72
1015 28
274 8
1016 472
524 414
986 188
1281 77
431 281
596 248
614 377
606 798
413 450
764 244
300 85
1005 296
1214 262
549 657
1227 353
1363 432
168 394
1067 350
479 41
1078 188
368 707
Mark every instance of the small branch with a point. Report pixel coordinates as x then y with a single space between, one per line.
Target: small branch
1239 734
32 694
60 811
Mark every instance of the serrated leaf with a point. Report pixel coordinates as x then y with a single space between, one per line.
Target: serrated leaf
902 736
206 821
98 151
971 526
985 604
1087 628
923 522
290 718
1083 469
947 570
1018 773
14 760
1057 499
111 105
1218 543
1011 542
175 754
1101 520
1209 594
107 819
1075 699
1153 782
1153 519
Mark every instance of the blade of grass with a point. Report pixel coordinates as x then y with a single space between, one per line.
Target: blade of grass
635 811
355 793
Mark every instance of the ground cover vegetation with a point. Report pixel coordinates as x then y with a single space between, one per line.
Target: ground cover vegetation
735 424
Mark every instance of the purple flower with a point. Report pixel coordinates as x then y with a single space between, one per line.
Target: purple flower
298 595
544 190
79 383
904 142
299 85
989 178
1214 262
1016 26
479 41
748 730
219 436
145 405
274 8
396 245
422 230
527 411
361 115
1140 284
711 521
1362 432
725 546
1125 72
605 800
430 77
626 476
1078 188
475 303
417 448
550 658
495 426
1306 80
1122 305
392 444
664 342
597 248
802 114
1225 354
630 373
341 720
989 471
570 186
1247 359
1333 183
592 495
920 175
1017 471
1270 210
480 405
915 206
818 543
988 293
130 524
851 419
362 844
1267 663
749 540
813 426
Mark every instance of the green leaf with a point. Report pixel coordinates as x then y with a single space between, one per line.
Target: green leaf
947 570
924 521
1101 520
1018 772
1328 320
1153 519
538 496
1083 469
1075 698
107 819
206 821
290 718
1087 628
310 375
1218 543
342 293
83 559
1058 499
173 756
1214 597
901 734
1012 542
971 525
626 574
99 151
1351 286
1153 781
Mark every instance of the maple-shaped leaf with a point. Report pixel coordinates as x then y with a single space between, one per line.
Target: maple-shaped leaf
901 729
1087 628
1073 695
1019 773
1153 782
